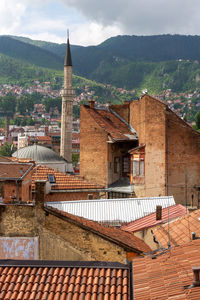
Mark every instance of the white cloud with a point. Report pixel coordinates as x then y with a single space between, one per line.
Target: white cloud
144 16
92 33
11 13
92 21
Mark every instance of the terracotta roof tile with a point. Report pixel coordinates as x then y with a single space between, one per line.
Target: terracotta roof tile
180 229
174 212
76 272
14 170
63 181
125 239
166 276
109 122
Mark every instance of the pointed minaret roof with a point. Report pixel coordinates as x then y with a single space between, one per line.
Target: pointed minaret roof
68 59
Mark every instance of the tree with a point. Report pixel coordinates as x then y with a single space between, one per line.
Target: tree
7 149
197 119
8 104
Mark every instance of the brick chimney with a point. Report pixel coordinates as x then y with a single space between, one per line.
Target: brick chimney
40 191
91 103
196 272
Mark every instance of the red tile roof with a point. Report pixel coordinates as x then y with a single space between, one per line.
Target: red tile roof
125 239
171 212
44 138
53 280
63 181
14 170
166 276
180 230
4 158
108 121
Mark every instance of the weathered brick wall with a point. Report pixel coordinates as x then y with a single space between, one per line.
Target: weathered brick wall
65 240
148 237
122 110
17 220
93 150
183 163
147 117
10 189
26 194
58 239
70 196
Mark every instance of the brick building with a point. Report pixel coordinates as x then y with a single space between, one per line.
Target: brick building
140 147
42 232
15 182
66 187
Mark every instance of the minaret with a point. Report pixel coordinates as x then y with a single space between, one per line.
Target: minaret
67 94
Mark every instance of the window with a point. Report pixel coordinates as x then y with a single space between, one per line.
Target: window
116 164
142 167
126 164
51 178
138 166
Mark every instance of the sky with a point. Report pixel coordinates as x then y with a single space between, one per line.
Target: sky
91 22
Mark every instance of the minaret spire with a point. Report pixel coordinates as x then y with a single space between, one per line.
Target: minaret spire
68 59
67 94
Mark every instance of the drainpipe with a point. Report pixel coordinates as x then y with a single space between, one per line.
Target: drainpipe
17 182
167 171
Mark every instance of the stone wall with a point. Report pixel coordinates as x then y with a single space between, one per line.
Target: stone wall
59 239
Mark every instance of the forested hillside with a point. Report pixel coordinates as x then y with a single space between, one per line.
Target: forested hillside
136 62
29 53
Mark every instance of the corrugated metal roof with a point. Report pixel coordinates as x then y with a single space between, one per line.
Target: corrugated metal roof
113 210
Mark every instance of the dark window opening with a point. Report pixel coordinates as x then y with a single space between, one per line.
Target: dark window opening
51 178
116 165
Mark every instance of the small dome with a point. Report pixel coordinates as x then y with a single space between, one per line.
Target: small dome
39 154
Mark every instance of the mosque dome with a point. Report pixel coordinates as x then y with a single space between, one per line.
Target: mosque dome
39 154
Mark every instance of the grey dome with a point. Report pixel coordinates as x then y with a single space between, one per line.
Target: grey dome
39 154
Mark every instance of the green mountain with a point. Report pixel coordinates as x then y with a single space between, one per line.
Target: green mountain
135 62
22 73
132 62
29 53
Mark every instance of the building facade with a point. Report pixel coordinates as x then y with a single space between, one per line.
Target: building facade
163 159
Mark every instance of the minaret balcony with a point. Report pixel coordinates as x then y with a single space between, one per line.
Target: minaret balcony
67 92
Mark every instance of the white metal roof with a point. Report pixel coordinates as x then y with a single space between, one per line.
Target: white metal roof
113 210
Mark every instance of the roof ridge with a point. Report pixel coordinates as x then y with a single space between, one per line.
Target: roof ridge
62 263
143 247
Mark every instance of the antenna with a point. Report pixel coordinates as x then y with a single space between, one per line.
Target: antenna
67 33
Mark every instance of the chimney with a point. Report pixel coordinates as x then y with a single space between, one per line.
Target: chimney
91 103
158 212
196 272
193 235
40 191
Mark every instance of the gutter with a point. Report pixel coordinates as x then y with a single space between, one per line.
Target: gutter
129 126
77 191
